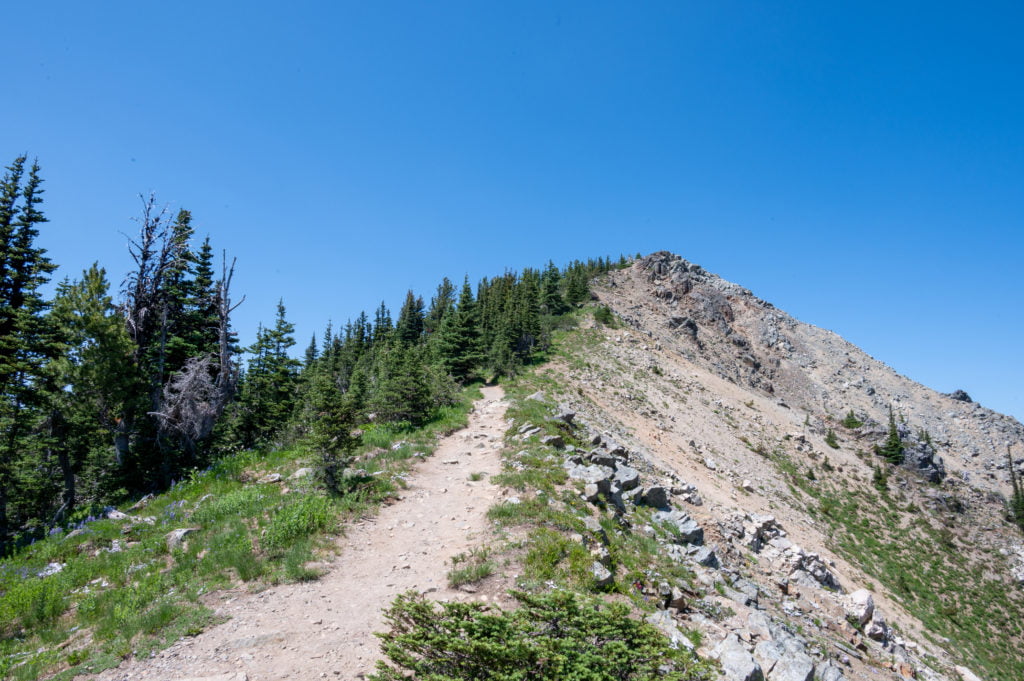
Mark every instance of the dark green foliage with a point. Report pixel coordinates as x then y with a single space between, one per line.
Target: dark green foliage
332 420
554 636
851 421
830 439
879 478
27 343
604 315
892 449
458 339
409 329
1016 506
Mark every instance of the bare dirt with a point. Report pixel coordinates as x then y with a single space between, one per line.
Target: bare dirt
324 629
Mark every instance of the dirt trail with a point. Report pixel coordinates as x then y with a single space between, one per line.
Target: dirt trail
324 629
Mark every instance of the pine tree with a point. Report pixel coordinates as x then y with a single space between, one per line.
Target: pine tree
331 424
458 343
892 449
409 329
1017 496
27 342
441 304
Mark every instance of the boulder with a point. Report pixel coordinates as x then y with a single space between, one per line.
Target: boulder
176 538
667 624
877 629
50 569
706 556
685 529
737 663
301 473
555 441
829 671
767 654
270 478
627 477
566 417
597 475
114 514
793 667
860 606
602 576
600 458
656 497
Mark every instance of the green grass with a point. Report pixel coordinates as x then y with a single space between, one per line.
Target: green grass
121 592
475 566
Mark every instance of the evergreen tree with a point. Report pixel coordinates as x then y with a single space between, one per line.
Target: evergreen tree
458 343
331 424
1017 495
26 339
409 329
441 304
551 297
892 449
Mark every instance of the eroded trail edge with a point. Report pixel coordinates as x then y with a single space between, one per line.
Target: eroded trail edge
324 629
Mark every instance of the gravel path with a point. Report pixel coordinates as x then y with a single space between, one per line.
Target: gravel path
324 629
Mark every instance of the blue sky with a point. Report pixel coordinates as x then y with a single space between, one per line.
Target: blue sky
860 165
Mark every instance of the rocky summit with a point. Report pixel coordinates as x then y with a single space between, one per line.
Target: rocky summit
845 522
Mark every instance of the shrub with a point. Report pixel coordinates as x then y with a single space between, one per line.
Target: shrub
604 315
553 636
830 439
851 421
298 521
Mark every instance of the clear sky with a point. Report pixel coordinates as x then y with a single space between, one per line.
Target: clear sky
860 165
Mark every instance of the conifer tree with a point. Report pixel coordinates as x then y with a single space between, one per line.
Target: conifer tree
892 449
409 329
26 339
1017 495
441 304
458 342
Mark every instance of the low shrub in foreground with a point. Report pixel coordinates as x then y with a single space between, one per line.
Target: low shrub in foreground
552 636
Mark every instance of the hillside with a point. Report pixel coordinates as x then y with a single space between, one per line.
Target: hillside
677 447
717 389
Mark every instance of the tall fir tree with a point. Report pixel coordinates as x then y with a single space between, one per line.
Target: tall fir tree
458 340
27 342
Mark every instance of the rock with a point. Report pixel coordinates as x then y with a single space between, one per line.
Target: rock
966 674
656 497
301 473
270 478
555 441
537 396
114 514
350 473
566 417
141 503
737 663
710 464
602 576
793 667
667 624
50 569
176 538
860 606
628 478
960 396
591 492
706 556
877 629
747 486
767 654
759 625
684 528
597 475
829 671
600 458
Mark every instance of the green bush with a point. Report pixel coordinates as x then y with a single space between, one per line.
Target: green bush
297 521
851 421
552 636
604 315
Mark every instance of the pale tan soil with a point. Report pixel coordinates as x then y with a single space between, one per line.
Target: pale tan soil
324 629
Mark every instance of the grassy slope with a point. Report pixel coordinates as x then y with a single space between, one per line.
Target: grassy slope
121 592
